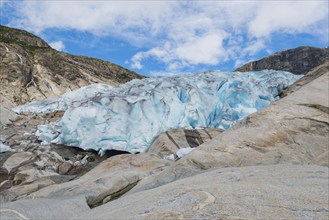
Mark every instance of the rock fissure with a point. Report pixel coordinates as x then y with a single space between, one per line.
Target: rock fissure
95 201
322 108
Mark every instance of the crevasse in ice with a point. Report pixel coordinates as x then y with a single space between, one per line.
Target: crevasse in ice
130 116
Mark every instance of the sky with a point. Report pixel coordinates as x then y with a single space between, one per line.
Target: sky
156 38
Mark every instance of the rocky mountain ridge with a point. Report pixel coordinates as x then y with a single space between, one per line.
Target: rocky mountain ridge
31 70
298 60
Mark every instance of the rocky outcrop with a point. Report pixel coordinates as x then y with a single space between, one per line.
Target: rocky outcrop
299 60
31 70
310 76
253 192
169 142
108 181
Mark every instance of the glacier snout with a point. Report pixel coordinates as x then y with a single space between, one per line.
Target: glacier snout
129 117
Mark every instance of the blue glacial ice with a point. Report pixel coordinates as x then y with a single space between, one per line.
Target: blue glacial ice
69 99
4 148
129 117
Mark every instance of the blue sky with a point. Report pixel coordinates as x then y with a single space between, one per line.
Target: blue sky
172 37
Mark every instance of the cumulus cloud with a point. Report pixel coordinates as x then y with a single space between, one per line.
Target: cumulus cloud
287 16
58 45
180 33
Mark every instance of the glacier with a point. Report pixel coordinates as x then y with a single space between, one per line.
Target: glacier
129 117
65 101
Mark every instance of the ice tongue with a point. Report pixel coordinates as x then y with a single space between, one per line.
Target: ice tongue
129 117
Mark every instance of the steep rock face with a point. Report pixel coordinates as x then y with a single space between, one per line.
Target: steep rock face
31 70
299 60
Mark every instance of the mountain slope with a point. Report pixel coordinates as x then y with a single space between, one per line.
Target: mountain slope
298 60
30 69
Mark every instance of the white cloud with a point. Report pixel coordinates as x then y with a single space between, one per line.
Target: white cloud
206 49
287 16
180 33
58 45
254 47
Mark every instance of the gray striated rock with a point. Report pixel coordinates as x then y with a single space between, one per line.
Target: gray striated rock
310 76
43 209
298 60
253 192
107 181
17 160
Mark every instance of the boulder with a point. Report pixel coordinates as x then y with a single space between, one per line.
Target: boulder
65 167
18 159
170 142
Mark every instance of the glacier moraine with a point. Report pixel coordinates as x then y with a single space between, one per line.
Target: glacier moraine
130 116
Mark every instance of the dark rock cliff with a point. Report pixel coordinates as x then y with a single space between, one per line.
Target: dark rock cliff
299 60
